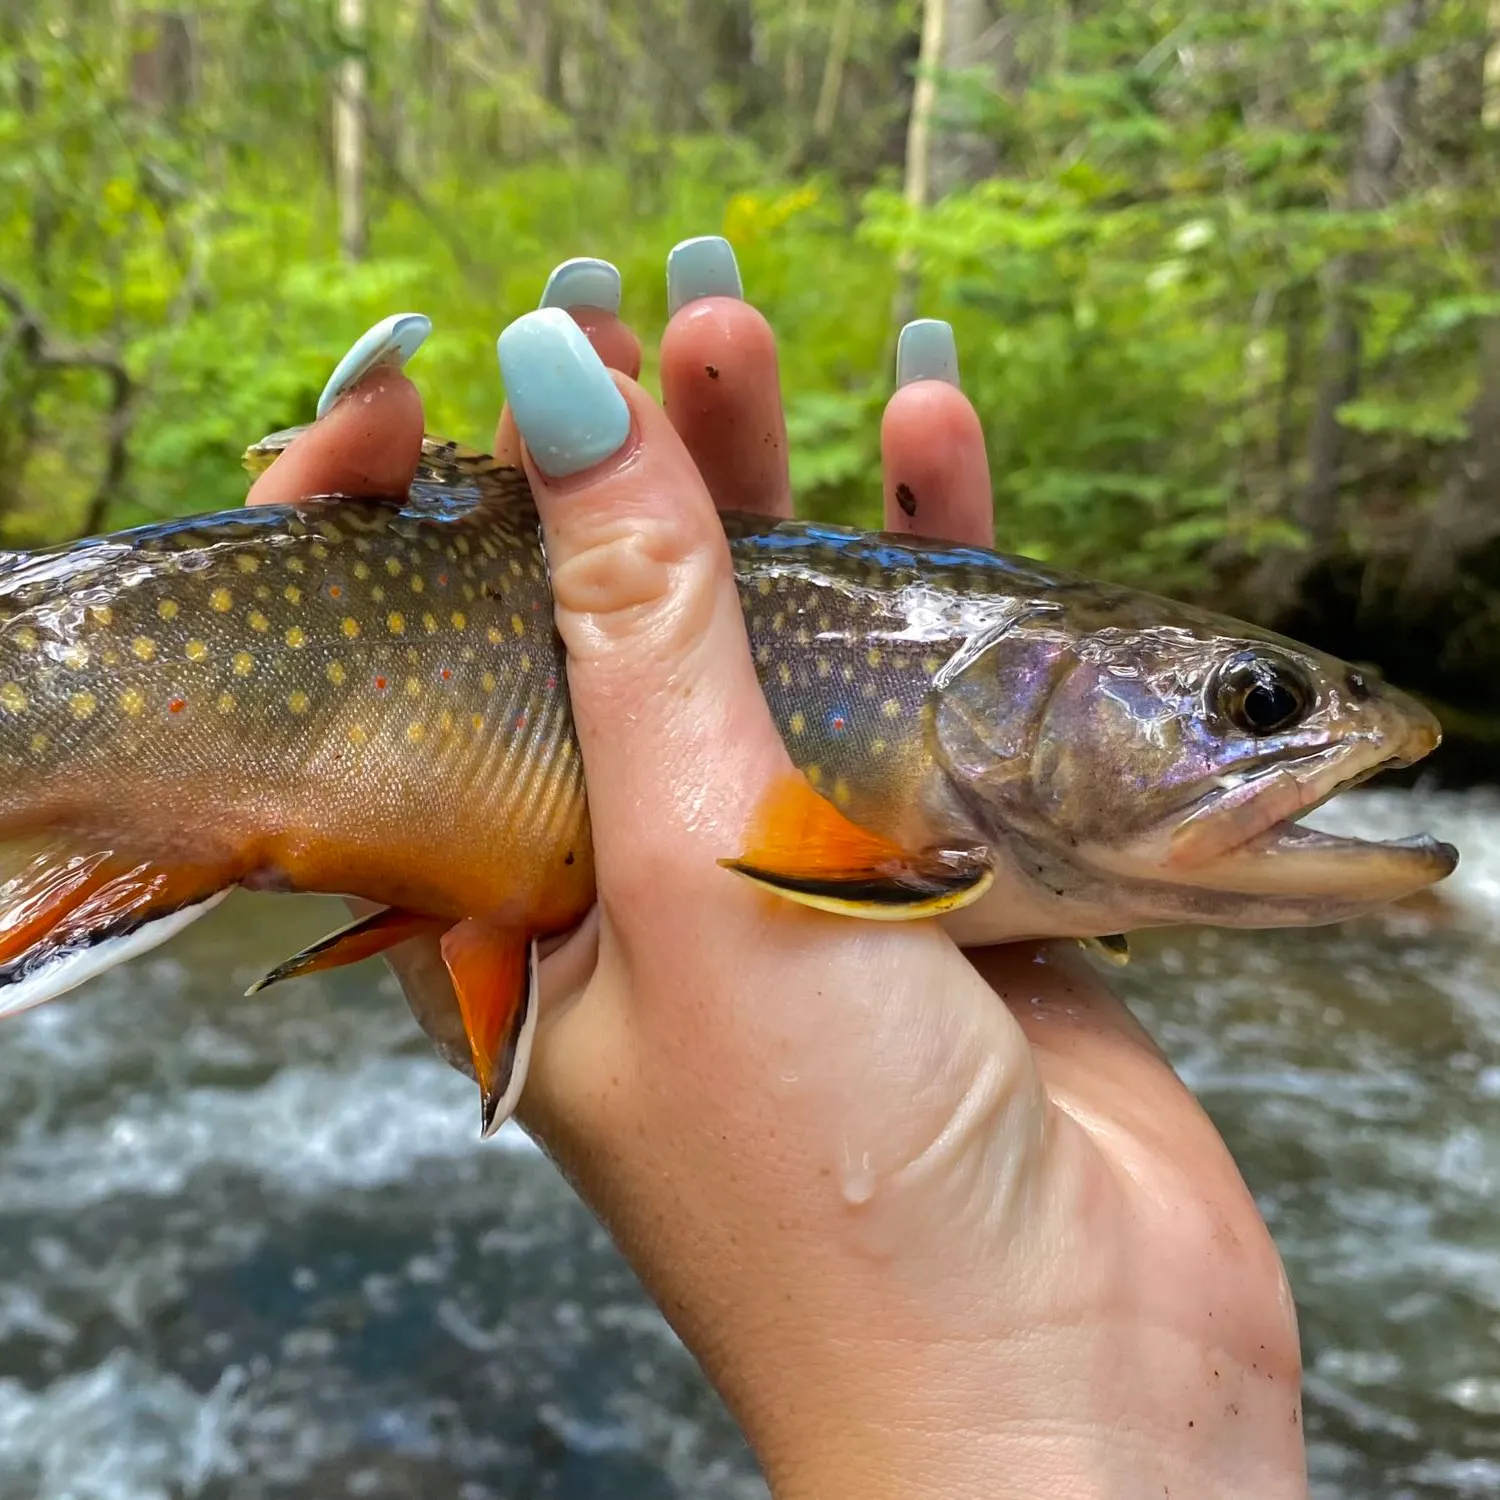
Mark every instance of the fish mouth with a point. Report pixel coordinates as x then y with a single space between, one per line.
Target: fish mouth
1249 838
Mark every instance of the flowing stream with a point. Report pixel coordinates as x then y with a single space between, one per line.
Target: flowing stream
253 1249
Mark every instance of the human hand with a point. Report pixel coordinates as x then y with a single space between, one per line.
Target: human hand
934 1223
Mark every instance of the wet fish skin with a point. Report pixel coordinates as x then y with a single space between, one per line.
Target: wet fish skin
369 698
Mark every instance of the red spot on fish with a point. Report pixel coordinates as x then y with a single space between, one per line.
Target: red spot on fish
838 723
552 682
334 591
446 673
521 721
177 705
380 684
442 580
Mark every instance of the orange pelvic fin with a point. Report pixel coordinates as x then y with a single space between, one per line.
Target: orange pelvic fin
67 915
801 847
494 973
359 940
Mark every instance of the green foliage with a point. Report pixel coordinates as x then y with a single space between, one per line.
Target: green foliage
1140 291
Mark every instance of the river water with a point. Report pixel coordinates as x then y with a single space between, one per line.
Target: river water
252 1249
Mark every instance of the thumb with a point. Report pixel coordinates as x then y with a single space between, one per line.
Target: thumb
669 715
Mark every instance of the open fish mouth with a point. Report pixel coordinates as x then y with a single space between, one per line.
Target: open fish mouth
1250 838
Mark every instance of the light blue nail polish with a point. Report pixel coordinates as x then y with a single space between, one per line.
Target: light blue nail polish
583 282
704 267
564 401
392 341
926 351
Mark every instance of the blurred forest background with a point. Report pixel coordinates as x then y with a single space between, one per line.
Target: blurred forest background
1225 276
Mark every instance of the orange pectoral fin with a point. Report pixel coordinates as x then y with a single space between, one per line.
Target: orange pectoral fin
803 848
494 973
359 940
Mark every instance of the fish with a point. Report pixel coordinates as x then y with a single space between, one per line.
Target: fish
368 698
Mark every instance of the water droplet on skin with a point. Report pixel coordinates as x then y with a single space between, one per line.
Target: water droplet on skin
856 1179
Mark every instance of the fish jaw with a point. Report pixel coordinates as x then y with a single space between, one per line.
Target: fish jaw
1245 838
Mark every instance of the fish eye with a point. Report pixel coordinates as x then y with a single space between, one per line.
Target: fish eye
1262 694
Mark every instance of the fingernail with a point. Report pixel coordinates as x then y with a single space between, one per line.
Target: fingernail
392 341
926 351
583 282
702 267
563 399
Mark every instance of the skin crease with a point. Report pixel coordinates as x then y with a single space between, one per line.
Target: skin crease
934 1223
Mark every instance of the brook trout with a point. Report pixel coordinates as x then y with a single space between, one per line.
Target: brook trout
368 699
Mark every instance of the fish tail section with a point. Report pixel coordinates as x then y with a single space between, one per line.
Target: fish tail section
494 974
69 914
361 939
801 847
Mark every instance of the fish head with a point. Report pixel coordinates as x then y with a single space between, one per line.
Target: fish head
1156 761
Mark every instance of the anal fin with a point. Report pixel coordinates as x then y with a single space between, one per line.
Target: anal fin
68 915
494 974
801 847
358 940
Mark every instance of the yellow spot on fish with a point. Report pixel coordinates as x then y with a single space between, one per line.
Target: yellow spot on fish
295 638
873 656
393 566
458 619
222 601
778 620
144 647
75 658
877 747
477 721
357 735
824 667
931 664
318 550
244 664
258 621
292 594
413 688
891 708
784 674
377 593
246 563
224 702
846 672
350 627
12 698
841 792
395 622
798 724
814 775
493 636
429 623
336 674
101 614
332 532
39 743
295 565
262 592
763 585
417 583
167 609
517 625
195 650
414 732
525 662
361 570
296 700
83 705
487 681
26 638
445 722
762 655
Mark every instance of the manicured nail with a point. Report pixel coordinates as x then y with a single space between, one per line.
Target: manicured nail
583 282
926 351
563 399
704 267
392 341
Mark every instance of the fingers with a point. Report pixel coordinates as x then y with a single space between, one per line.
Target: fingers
368 436
937 474
720 382
589 290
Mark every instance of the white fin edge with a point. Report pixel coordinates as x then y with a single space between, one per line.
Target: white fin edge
74 967
517 1081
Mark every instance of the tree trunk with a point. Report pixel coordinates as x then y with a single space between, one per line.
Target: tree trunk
349 131
919 144
1384 126
976 41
